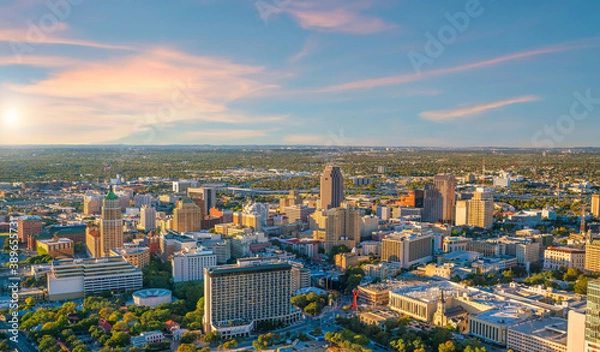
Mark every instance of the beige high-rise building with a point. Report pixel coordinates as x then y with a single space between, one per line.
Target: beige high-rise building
332 188
236 297
595 208
592 257
291 200
111 225
407 249
480 211
187 216
339 226
91 205
446 185
147 218
462 213
92 242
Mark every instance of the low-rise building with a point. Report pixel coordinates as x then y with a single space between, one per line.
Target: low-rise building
138 256
148 337
541 335
492 325
56 247
377 317
74 278
382 271
189 264
555 257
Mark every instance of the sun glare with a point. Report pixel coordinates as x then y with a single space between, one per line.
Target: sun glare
10 117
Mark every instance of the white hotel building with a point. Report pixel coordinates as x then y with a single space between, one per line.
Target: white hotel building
189 264
74 278
555 257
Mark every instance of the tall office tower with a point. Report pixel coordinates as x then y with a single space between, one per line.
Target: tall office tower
595 208
205 197
111 225
481 209
238 296
91 205
148 218
432 204
139 200
592 256
332 187
592 320
339 226
462 213
187 216
292 199
446 185
407 249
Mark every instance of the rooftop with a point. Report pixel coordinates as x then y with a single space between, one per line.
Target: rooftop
550 328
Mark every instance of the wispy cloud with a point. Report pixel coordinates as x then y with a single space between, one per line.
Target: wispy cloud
309 46
22 36
413 77
336 16
453 114
155 87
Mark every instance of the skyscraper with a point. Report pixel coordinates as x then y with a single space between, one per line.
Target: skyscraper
238 296
339 226
205 197
111 225
187 216
432 204
481 209
595 208
592 320
446 185
332 187
148 218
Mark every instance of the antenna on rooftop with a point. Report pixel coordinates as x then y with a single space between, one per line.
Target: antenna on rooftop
483 172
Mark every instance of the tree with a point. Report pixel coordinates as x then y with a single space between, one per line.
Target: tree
581 285
571 275
47 343
312 309
186 347
118 339
447 347
212 337
230 344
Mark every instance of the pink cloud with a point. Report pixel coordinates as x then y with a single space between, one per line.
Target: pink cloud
26 37
336 16
453 114
309 46
413 77
156 87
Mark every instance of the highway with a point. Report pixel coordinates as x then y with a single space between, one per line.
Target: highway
22 345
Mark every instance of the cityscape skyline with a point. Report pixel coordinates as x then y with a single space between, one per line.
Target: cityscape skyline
332 73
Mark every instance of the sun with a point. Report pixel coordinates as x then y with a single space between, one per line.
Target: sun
10 117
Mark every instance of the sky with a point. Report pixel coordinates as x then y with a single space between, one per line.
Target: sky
300 72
